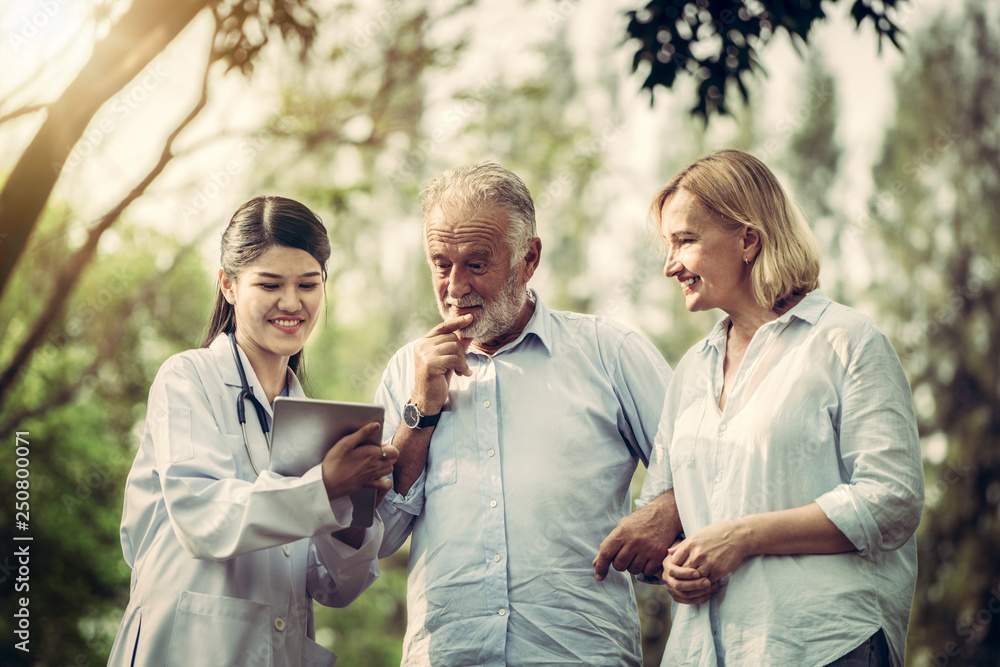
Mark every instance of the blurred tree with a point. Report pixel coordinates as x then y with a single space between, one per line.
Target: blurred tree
241 31
78 406
143 31
810 159
716 41
935 211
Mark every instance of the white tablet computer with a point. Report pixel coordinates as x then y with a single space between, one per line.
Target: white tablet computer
304 429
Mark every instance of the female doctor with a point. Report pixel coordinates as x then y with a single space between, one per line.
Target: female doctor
227 556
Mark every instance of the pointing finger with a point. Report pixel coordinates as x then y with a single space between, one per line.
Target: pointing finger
450 326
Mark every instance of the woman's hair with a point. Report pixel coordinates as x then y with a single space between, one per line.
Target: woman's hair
486 184
739 190
257 225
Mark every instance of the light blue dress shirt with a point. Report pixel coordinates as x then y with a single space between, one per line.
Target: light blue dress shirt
819 411
527 472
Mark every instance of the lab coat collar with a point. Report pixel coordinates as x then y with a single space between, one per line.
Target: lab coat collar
223 354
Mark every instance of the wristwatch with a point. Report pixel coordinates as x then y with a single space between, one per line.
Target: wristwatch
414 419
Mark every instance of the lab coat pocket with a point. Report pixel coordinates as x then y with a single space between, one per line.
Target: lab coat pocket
442 460
211 630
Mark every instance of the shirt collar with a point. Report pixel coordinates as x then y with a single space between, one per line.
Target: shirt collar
539 326
808 310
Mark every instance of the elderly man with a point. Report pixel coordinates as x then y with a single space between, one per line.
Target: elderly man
519 429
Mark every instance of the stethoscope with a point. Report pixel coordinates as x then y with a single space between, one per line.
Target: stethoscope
245 393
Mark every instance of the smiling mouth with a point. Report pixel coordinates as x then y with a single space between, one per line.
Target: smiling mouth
690 281
286 324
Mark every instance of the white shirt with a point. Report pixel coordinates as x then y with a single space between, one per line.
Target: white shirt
528 471
819 411
225 564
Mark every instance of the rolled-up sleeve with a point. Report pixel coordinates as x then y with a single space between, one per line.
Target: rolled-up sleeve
879 508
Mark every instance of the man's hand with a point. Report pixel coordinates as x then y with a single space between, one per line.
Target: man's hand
640 541
437 356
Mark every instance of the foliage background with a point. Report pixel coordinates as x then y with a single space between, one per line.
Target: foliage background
899 174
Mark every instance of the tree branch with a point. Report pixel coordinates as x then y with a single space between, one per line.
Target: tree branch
23 111
67 279
141 34
107 347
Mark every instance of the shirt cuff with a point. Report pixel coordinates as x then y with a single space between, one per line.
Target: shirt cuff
331 515
411 503
842 509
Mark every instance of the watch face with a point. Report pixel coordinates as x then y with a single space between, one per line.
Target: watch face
411 416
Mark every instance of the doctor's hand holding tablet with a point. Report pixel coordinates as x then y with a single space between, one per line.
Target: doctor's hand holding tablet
233 531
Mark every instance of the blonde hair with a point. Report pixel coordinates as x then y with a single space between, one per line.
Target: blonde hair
739 190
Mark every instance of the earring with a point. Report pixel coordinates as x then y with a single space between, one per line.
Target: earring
746 260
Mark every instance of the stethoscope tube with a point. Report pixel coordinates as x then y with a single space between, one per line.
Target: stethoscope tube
245 393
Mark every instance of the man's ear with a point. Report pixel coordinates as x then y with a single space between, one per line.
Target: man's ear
227 287
531 259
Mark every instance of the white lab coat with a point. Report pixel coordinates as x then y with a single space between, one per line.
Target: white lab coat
225 564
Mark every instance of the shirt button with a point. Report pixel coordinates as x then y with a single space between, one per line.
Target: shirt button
722 428
502 612
491 452
287 550
493 503
496 558
279 624
486 404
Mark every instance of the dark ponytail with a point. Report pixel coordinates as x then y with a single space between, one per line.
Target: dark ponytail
257 225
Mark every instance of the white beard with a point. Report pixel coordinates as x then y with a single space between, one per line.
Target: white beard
497 316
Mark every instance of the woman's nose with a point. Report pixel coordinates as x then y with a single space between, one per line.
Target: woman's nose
289 300
671 267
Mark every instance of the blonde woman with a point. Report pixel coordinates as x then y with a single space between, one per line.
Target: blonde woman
788 438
